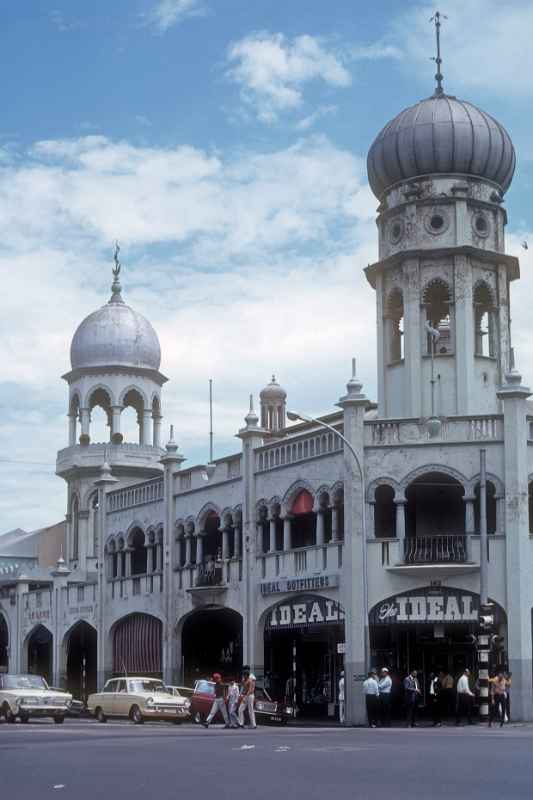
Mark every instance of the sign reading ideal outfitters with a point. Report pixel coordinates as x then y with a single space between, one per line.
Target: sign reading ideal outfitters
306 611
281 585
428 605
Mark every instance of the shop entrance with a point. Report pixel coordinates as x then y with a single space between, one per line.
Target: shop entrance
211 642
304 641
4 644
80 646
40 653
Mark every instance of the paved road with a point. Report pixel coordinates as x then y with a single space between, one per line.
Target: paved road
82 759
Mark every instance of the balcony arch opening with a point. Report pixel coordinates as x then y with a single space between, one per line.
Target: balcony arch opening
394 324
484 320
303 526
139 555
384 512
437 303
435 519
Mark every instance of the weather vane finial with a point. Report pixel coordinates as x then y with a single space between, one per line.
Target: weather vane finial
116 287
436 18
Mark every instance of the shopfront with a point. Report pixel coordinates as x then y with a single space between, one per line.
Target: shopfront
428 629
304 645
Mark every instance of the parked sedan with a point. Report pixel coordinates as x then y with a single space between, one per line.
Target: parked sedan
138 699
27 696
266 709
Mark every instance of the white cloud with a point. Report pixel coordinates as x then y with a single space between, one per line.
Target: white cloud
498 57
307 122
167 13
272 70
245 263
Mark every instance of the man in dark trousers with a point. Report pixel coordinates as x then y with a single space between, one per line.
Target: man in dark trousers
412 696
219 703
371 693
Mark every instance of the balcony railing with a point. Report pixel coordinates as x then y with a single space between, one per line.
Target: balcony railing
209 575
435 549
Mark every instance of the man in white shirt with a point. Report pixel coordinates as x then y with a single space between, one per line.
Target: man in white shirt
385 688
247 698
341 699
371 692
464 698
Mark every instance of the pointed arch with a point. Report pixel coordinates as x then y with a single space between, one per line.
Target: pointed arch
293 491
208 510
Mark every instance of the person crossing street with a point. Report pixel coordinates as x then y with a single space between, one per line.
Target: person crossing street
247 698
233 702
219 703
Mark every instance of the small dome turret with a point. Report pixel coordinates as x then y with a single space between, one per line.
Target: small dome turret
273 406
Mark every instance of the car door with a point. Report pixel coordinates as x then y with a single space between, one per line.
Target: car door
121 699
105 698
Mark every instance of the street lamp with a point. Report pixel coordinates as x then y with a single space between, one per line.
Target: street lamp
293 416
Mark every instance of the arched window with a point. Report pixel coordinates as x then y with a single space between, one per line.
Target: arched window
139 560
384 512
100 410
394 317
75 508
303 526
132 417
437 303
263 529
484 321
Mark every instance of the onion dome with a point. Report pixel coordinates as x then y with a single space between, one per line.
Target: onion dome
115 335
441 134
273 391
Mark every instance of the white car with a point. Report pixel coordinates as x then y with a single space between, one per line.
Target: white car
138 699
27 696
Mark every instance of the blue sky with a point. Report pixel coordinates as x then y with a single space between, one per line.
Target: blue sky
224 143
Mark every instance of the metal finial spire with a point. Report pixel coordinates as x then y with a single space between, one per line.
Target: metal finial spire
436 18
116 287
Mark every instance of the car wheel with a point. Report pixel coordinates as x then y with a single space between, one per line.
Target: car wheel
24 719
136 716
8 714
100 716
59 720
198 718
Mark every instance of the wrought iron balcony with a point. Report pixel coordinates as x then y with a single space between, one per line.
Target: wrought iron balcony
435 549
209 574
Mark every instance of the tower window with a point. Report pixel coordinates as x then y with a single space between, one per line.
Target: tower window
484 320
394 322
437 222
438 315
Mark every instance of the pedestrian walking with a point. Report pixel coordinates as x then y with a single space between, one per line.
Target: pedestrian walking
385 688
434 699
465 698
219 703
412 696
499 693
448 699
509 681
247 698
371 693
233 703
342 716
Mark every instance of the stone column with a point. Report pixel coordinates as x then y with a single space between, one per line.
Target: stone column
320 535
120 559
116 435
128 563
85 416
400 502
500 513
236 541
463 336
150 559
147 432
200 547
334 523
225 544
272 535
517 544
470 523
157 431
159 557
72 422
413 336
188 549
287 533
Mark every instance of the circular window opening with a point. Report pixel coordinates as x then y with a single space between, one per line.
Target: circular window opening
396 231
481 224
437 222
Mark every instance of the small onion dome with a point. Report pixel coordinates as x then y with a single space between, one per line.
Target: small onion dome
441 134
273 391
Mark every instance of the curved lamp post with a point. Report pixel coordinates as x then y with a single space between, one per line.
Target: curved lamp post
293 416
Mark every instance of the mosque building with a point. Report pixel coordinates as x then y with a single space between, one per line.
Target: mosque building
339 543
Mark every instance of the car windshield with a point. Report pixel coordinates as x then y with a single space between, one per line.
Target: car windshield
24 682
146 686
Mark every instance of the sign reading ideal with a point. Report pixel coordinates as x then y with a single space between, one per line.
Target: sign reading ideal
307 611
427 605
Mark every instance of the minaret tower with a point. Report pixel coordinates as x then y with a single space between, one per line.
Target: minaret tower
273 407
440 170
115 357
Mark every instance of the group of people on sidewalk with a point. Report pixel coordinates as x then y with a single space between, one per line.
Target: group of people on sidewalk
232 701
444 698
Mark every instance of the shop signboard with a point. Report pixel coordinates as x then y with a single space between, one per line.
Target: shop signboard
282 585
430 605
304 612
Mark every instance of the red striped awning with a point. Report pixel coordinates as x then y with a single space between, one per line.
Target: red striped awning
137 645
